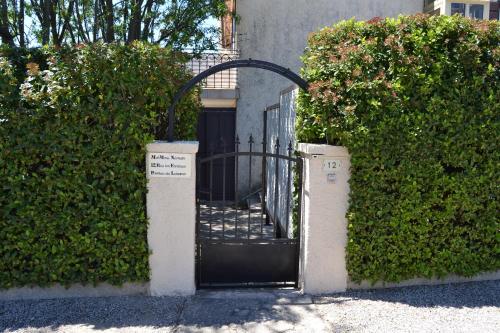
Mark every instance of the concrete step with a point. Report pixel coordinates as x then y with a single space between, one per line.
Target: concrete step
254 202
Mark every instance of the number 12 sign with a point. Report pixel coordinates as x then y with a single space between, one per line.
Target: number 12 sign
331 165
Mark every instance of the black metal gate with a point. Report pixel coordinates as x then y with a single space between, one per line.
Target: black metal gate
251 239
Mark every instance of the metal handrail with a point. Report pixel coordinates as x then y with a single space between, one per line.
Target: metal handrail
254 154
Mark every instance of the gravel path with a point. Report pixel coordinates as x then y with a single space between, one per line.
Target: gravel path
469 307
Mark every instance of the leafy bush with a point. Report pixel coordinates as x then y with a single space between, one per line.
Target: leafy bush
416 101
72 162
19 57
8 85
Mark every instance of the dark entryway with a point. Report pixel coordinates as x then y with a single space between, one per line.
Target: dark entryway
216 134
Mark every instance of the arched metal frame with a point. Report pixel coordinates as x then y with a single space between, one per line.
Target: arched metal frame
285 72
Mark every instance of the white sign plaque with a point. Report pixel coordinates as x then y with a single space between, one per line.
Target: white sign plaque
331 165
169 165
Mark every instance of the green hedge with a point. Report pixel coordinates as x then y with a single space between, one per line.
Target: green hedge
19 57
417 102
72 161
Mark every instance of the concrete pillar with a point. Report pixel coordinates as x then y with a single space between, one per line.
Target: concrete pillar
171 209
325 203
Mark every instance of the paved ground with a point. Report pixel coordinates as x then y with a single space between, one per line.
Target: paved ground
472 307
219 222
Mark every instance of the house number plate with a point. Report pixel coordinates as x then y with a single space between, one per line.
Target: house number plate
331 165
165 165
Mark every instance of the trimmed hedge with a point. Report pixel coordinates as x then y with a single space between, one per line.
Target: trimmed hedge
417 102
72 161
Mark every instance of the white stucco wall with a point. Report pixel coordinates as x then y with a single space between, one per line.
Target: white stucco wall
324 232
171 209
277 31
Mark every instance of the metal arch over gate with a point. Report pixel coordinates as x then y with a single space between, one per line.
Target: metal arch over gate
250 63
251 237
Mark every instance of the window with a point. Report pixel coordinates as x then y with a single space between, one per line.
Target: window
458 8
430 7
476 12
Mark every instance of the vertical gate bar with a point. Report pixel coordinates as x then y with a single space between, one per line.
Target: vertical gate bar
236 195
223 189
214 77
198 214
289 188
263 187
250 141
264 175
211 183
276 184
229 72
198 227
300 170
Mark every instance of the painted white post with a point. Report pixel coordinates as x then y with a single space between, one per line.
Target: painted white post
325 203
171 209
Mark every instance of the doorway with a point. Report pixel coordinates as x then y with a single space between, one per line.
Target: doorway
216 135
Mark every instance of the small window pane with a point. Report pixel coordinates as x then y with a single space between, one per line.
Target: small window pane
458 8
476 12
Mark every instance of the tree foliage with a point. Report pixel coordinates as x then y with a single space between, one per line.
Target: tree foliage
173 23
417 101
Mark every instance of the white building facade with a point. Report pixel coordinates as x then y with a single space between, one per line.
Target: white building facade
476 9
277 31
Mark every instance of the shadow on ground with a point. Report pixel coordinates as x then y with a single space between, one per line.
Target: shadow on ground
97 313
272 313
249 311
265 312
459 295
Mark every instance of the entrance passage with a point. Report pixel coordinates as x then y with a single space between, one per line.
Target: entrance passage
248 235
216 135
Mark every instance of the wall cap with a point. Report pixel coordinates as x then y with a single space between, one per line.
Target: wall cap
74 290
183 147
451 278
310 149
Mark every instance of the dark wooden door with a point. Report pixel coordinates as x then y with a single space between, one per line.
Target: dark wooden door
216 134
